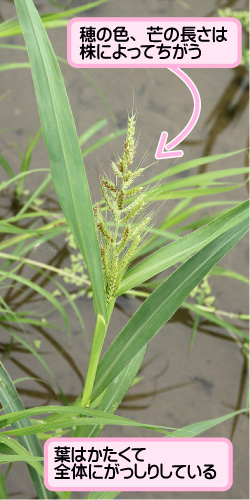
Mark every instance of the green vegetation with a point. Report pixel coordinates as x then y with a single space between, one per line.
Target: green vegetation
114 250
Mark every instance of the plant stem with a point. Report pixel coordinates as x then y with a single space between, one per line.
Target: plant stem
99 335
96 349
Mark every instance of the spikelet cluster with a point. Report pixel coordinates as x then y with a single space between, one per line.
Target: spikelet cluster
121 225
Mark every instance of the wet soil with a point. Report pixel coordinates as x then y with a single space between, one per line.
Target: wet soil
178 387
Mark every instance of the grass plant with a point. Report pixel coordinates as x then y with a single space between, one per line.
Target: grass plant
243 17
114 257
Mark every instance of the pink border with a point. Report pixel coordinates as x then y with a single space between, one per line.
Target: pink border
211 440
156 19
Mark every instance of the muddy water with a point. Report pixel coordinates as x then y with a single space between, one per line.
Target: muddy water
178 387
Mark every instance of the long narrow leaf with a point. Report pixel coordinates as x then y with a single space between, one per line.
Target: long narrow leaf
19 451
182 248
11 27
91 131
175 217
4 185
199 427
8 66
61 139
201 179
6 166
160 306
212 318
47 295
3 490
103 141
27 159
40 189
220 271
187 165
97 417
187 193
11 402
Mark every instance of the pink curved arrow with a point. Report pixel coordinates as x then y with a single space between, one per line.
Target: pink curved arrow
164 149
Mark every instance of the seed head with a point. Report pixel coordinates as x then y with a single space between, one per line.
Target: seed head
118 248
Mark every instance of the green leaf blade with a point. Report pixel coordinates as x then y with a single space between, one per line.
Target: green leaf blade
61 140
182 248
161 305
12 403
